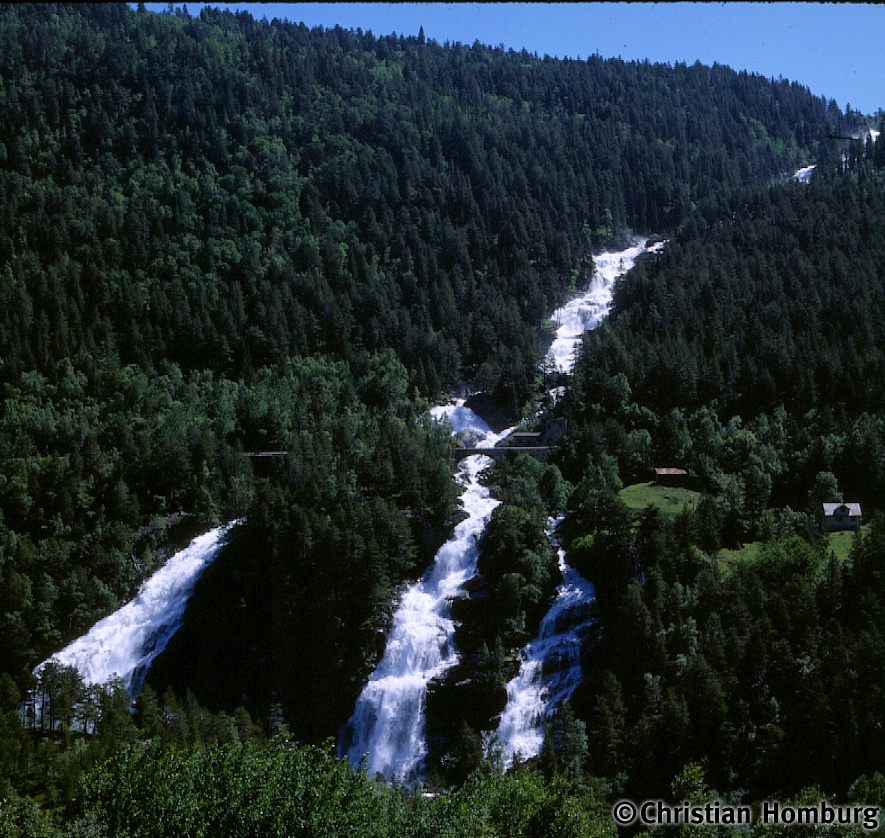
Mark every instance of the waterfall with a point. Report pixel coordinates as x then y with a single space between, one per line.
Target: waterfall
387 726
126 642
589 307
550 666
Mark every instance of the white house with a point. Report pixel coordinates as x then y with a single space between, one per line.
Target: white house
841 516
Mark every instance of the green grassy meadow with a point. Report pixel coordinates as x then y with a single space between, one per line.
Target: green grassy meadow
670 501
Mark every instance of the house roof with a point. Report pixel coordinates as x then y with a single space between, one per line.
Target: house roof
850 509
670 471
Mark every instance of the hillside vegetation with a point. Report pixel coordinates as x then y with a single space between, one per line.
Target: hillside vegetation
220 236
737 635
193 208
219 193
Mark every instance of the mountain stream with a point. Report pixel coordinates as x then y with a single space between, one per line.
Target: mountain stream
387 726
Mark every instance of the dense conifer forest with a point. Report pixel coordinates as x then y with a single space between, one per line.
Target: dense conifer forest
221 236
750 353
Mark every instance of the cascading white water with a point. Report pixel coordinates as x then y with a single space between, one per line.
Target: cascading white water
587 310
387 726
126 642
550 667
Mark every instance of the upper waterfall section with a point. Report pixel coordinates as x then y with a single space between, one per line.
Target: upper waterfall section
587 310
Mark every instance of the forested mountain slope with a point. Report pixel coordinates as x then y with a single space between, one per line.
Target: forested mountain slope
220 236
763 309
735 635
185 201
223 193
770 297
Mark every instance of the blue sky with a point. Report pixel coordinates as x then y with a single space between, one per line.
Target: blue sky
836 49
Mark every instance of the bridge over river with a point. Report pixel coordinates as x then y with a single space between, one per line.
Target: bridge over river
539 452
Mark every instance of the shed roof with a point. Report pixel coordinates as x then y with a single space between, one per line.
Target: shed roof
850 509
670 471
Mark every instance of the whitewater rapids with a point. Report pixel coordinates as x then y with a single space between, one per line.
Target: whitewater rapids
125 643
550 669
589 307
387 728
550 665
